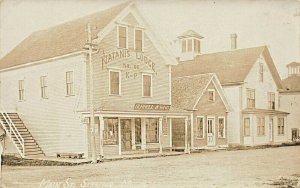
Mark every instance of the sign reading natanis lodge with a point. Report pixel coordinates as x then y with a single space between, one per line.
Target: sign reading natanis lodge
139 106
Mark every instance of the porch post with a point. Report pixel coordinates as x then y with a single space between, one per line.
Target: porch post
143 134
119 137
101 136
192 131
133 134
160 134
171 138
185 135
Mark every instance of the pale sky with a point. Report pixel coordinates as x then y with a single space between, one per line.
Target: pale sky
272 23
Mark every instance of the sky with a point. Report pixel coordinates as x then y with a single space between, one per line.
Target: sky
265 22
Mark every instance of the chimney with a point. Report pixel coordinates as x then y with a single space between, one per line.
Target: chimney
233 41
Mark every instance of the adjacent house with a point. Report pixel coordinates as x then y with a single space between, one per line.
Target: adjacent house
204 97
45 88
290 100
251 83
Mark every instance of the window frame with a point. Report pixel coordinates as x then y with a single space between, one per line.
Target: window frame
224 129
270 96
118 36
214 95
134 39
21 90
203 125
244 127
281 128
44 87
261 126
71 83
109 82
250 99
151 84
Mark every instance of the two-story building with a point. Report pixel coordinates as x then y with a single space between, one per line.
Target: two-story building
290 100
251 83
46 93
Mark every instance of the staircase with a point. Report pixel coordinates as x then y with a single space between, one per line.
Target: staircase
20 136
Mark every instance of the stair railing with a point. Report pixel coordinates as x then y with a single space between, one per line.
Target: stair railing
13 131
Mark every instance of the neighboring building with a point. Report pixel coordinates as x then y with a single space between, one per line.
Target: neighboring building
290 100
204 97
45 86
251 83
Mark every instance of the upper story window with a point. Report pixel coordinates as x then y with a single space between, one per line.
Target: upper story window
250 98
43 82
221 127
114 82
280 126
190 45
147 85
21 90
69 83
138 40
200 127
211 95
122 37
260 126
261 72
271 100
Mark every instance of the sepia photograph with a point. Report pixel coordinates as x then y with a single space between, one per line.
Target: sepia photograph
149 93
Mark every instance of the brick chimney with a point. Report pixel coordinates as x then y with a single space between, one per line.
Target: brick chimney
233 41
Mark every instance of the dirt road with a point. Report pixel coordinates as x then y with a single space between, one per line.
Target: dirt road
243 168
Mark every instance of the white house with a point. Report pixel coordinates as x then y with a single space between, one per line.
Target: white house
290 100
251 83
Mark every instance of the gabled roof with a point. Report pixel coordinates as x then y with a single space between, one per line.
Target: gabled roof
187 90
190 33
292 64
230 66
59 40
291 84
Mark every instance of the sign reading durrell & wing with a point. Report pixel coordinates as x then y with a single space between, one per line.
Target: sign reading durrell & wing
140 106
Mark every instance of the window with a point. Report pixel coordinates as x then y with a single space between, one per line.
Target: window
271 101
43 87
260 126
151 130
147 85
110 132
114 82
280 126
21 90
122 37
196 46
261 72
221 127
200 127
190 45
247 127
138 43
165 127
69 83
211 95
183 46
250 98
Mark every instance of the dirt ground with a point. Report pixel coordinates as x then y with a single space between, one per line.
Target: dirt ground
271 167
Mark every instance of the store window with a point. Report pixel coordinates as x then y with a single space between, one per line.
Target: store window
200 127
110 132
151 130
260 126
221 127
247 127
114 82
122 36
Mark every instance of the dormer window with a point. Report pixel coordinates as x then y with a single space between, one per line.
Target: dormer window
190 45
122 37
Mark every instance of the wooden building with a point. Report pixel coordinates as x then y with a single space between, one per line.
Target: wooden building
204 97
251 83
45 88
290 100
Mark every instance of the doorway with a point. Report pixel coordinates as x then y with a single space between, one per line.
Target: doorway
211 138
126 134
271 129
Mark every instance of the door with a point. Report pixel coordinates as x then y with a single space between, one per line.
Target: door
211 138
138 133
271 129
126 134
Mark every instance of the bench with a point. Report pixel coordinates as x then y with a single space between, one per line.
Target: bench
70 155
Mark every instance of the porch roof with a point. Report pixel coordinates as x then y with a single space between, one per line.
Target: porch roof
263 111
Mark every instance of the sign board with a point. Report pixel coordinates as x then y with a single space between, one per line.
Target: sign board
140 106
